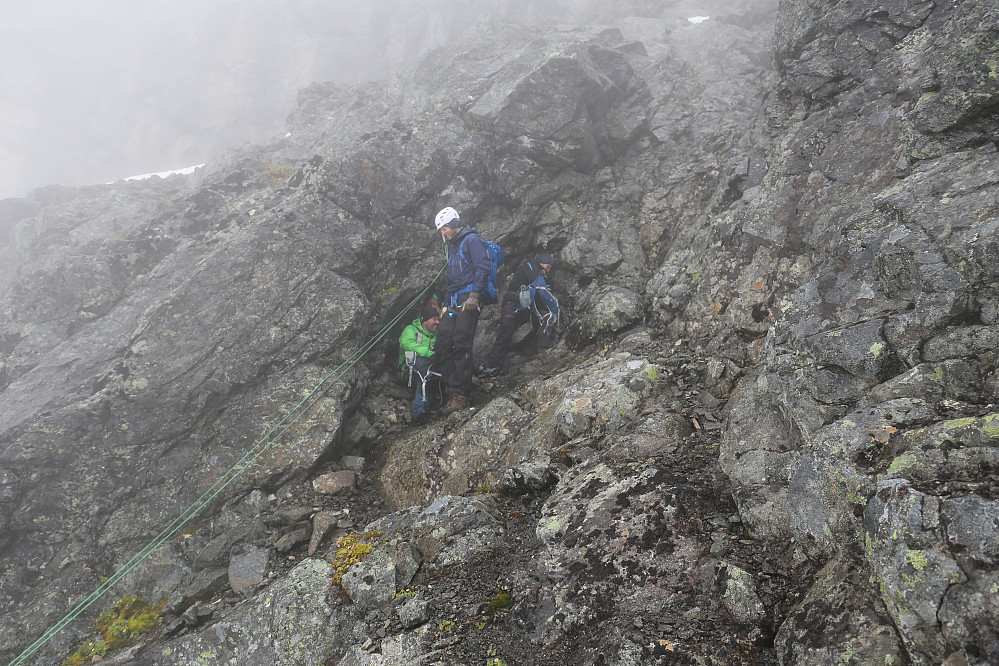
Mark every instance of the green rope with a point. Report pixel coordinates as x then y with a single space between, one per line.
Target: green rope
231 475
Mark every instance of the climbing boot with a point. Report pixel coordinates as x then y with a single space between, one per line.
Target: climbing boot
455 402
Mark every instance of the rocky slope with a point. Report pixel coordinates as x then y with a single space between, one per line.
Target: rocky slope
768 434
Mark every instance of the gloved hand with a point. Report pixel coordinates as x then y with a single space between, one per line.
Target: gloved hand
471 303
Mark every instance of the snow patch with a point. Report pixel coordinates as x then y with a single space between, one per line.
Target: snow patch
698 19
164 174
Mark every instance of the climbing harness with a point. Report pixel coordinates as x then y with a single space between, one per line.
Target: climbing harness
421 377
268 440
527 301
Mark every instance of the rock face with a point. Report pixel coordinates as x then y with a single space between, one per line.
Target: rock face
768 433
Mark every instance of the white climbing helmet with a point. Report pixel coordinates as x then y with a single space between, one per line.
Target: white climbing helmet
446 216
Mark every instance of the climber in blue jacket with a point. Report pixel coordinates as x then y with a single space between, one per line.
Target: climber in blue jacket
468 272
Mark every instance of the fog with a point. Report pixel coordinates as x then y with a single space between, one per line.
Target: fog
101 90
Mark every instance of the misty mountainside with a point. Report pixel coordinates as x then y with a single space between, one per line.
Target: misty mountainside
767 434
98 91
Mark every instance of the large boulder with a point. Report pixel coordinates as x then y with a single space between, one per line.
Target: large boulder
841 618
295 620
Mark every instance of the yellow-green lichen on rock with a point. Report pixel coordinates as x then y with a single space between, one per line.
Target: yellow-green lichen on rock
902 463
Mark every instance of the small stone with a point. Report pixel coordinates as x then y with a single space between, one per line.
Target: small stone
191 616
720 549
175 605
741 598
206 584
354 463
322 525
289 515
173 627
336 482
290 540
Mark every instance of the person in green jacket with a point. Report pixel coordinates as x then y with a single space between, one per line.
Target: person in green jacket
416 368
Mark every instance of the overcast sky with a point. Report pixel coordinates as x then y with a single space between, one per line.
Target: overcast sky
102 89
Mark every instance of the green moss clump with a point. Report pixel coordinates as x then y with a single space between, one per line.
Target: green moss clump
500 602
130 618
351 549
404 594
85 653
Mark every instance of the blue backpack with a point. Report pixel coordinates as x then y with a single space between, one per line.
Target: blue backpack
496 259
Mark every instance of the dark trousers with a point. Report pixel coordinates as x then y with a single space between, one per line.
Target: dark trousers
453 348
510 321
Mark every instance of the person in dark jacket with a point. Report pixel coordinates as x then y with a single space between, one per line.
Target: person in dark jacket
468 272
431 301
527 299
416 369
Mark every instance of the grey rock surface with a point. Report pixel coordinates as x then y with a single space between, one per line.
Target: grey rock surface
780 277
413 613
292 621
248 568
